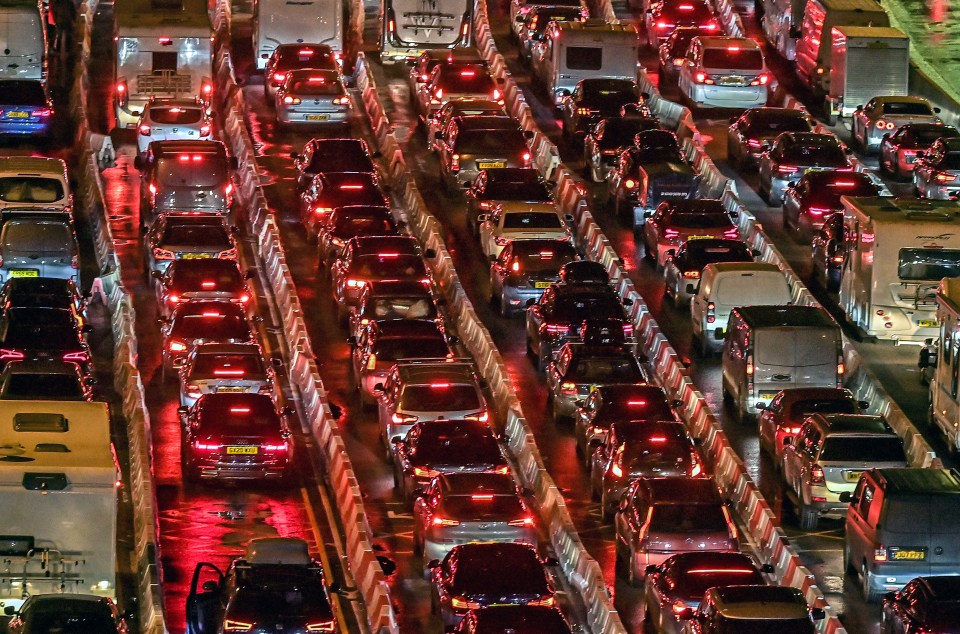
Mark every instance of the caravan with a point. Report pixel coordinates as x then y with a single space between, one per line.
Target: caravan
58 489
277 22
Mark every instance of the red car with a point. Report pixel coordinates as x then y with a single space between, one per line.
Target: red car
782 418
676 221
816 195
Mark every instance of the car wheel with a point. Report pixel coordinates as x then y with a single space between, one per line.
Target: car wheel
869 594
505 310
809 518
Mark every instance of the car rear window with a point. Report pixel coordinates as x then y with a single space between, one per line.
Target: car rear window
470 80
822 406
827 193
452 443
697 580
216 326
862 449
439 397
635 409
815 153
605 370
481 506
578 308
230 415
348 225
43 386
378 266
38 335
302 600
340 155
195 234
906 108
493 142
316 84
401 308
306 57
30 189
777 124
548 260
228 366
531 189
394 349
686 11
732 58
206 276
42 237
797 347
497 576
192 170
72 621
699 220
22 93
687 518
175 115
699 258
928 134
532 220
609 92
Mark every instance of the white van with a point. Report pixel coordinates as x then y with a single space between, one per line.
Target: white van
726 285
23 40
571 51
34 184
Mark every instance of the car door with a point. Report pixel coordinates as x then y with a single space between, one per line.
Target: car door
488 230
386 404
205 603
600 459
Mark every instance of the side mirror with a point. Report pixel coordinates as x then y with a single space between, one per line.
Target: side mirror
276 362
210 586
848 150
430 254
792 185
438 136
530 302
936 110
671 253
249 274
520 18
378 388
440 301
419 492
453 340
396 440
468 184
765 147
138 163
885 136
157 275
182 411
732 120
817 614
289 411
675 403
501 80
755 253
376 154
921 154
387 565
627 301
351 340
864 404
89 381
86 328
595 443
569 219
718 333
295 156
335 588
652 569
648 214
9 610
762 406
551 561
767 569
787 441
889 596
858 108
433 563
691 289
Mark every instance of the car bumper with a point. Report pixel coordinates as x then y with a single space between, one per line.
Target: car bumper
730 97
290 116
944 193
238 472
517 298
24 128
566 404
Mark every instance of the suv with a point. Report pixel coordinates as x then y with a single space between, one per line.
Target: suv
724 72
471 144
34 184
752 608
830 453
184 176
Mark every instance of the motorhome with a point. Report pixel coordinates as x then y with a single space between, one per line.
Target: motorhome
944 360
410 27
58 489
164 49
897 251
278 22
23 40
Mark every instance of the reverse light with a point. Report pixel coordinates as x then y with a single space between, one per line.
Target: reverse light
230 625
341 101
678 607
193 390
671 233
695 469
691 275
760 80
454 162
177 346
568 388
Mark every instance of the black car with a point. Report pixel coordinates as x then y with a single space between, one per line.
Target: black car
593 99
516 619
495 187
925 604
67 613
332 155
584 272
331 190
43 334
347 222
43 292
276 586
45 381
750 133
682 269
828 253
607 139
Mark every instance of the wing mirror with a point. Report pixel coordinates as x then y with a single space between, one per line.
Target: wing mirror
551 561
788 441
627 301
936 110
210 586
864 404
351 341
433 563
767 569
138 163
847 497
652 569
530 302
483 218
569 219
157 275
9 610
234 163
378 388
396 440
528 134
430 254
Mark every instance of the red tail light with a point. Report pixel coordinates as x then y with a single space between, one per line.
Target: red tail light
818 211
400 419
944 177
627 329
76 357
144 129
732 233
787 169
525 157
481 417
816 475
702 78
341 101
193 390
352 283
526 521
663 25
616 470
496 94
754 143
278 78
206 89
173 299
6 354
568 388
671 233
691 275
43 112
711 312
454 162
162 254
244 298
282 447
177 346
760 80
121 89
291 100
556 329
205 129
208 446
710 26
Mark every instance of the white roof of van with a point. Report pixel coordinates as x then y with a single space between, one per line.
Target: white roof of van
710 41
744 267
32 165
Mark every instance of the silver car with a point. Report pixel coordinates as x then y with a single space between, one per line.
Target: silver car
460 508
524 269
795 153
219 368
580 368
312 97
883 115
38 248
173 119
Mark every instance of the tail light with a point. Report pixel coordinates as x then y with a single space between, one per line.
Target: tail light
885 125
502 470
153 189
711 312
422 472
162 254
732 233
696 469
341 101
320 211
229 254
352 283
526 521
515 267
75 261
792 430
438 94
501 241
278 78
265 389
291 100
76 357
496 94
670 234
760 80
244 298
43 112
199 445
837 259
144 129
584 111
481 417
816 475
880 554
442 521
679 607
193 390
702 78
206 89
177 346
787 169
463 603
616 470
205 129
282 447
754 143
454 162
663 25
121 89
557 329
691 275
322 626
710 26
173 298
750 370
400 419
525 158
944 177
818 211
6 354
568 388
627 329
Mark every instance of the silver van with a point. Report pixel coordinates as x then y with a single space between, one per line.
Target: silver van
771 348
38 248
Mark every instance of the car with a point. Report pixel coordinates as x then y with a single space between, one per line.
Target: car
444 446
521 619
884 114
782 418
275 585
828 253
471 144
289 57
792 155
383 342
660 517
640 449
467 107
332 155
667 15
607 139
67 612
925 604
651 171
503 187
898 151
680 582
172 119
677 221
330 190
43 334
49 380
44 292
936 172
35 184
524 269
750 133
474 575
187 236
32 247
225 368
26 109
348 222
520 8
459 508
537 221
827 457
683 267
422 67
425 390
201 278
311 98
235 437
580 368
617 402
201 321
673 53
456 80
586 272
534 24
808 202
595 98
369 259
752 608
391 299
555 317
724 72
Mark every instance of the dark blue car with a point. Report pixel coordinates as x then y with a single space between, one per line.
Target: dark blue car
25 108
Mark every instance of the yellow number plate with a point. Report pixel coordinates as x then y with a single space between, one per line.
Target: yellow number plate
698 237
914 554
541 285
229 390
927 323
18 115
766 396
243 450
852 476
196 256
24 273
317 117
491 165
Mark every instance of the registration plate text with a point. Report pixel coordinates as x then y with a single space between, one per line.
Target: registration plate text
927 323
317 117
541 285
908 554
244 451
487 165
229 390
24 273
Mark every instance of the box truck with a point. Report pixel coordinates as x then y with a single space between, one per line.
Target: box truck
867 61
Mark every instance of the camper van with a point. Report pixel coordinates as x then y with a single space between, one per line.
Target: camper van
897 251
23 40
164 49
571 51
58 489
409 27
815 46
278 22
945 362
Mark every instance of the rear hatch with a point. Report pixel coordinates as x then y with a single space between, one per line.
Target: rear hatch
38 249
675 528
747 288
177 122
844 457
793 356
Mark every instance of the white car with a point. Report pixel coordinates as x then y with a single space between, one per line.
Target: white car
724 72
521 221
173 120
312 97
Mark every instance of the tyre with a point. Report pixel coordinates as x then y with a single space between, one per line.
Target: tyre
870 595
505 310
809 517
634 577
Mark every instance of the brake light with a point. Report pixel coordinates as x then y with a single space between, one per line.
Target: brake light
166 41
663 25
75 261
787 169
43 112
556 329
282 447
525 157
692 275
454 162
669 234
496 94
462 603
944 177
291 100
121 89
278 78
818 211
422 472
504 469
880 554
228 372
322 626
239 410
837 259
754 143
702 78
468 73
6 354
761 80
792 430
341 101
230 625
173 299
207 446
885 125
584 111
438 93
442 521
319 211
144 129
711 312
750 367
816 475
193 390
76 357
695 469
400 419
526 521
244 298
177 346
627 329
352 283
568 388
732 232
480 417
205 129
657 439
710 26
679 607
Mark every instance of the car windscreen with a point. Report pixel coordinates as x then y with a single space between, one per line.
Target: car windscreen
228 366
494 142
60 387
815 154
481 507
214 326
918 264
30 189
827 193
950 161
378 266
764 626
468 80
532 220
212 275
579 307
697 580
822 406
196 234
22 93
634 409
451 444
862 449
207 170
175 115
906 108
926 135
396 348
687 518
405 307
316 83
699 220
733 58
439 397
605 369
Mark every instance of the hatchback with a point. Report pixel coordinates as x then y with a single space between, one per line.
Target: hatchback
607 139
332 190
884 114
456 80
187 236
287 58
936 173
783 417
524 269
808 202
471 144
310 98
724 72
580 368
205 278
201 321
504 188
43 292
369 259
173 119
348 222
898 151
467 107
593 99
675 222
666 16
225 368
332 155
39 248
25 109
795 153
537 221
750 133
747 608
43 334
